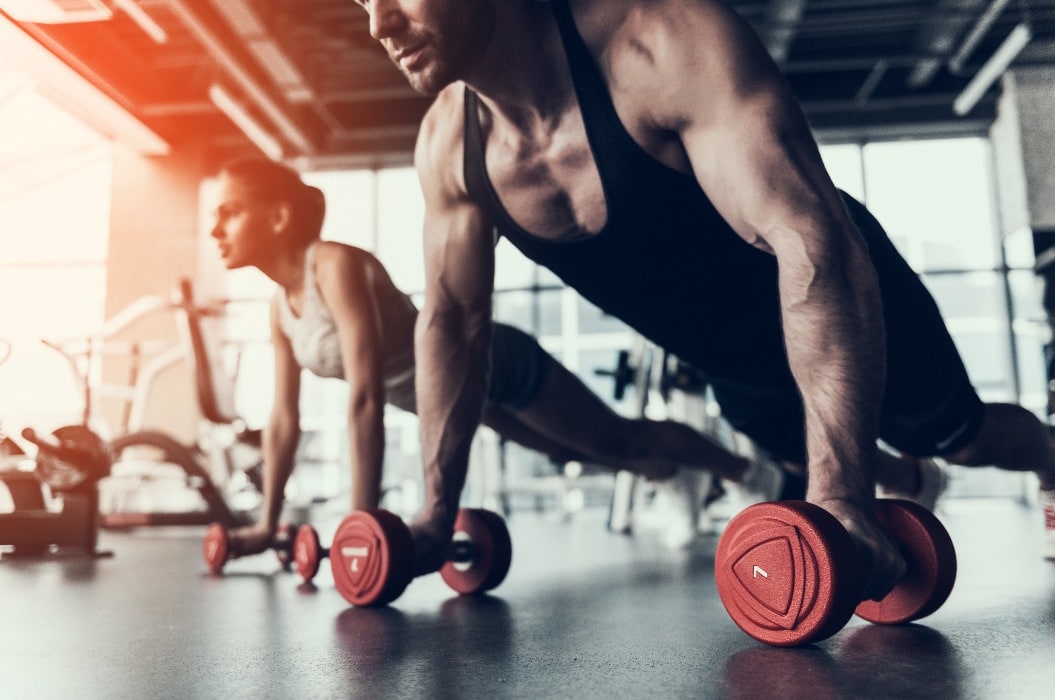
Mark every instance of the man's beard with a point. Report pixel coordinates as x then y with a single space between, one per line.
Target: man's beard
429 81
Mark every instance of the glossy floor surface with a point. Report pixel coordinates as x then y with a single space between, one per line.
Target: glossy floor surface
583 614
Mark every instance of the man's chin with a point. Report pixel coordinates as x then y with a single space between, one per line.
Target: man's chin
426 84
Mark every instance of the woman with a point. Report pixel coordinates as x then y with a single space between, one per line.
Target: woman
337 313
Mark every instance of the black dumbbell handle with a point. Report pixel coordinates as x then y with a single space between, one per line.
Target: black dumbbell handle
461 551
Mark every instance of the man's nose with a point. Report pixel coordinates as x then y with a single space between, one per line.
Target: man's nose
385 18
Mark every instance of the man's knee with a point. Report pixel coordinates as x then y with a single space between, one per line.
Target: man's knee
1003 425
628 439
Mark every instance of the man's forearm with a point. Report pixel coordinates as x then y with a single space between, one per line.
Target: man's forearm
453 360
833 326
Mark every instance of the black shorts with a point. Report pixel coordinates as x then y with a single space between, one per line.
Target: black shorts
518 367
929 408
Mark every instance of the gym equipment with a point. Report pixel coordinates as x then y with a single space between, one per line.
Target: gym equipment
634 367
788 573
154 462
480 553
217 550
373 555
624 374
69 464
308 552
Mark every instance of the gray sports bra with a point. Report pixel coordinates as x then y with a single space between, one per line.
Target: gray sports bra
313 334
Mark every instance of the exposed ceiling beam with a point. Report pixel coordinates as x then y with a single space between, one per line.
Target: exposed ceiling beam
251 27
940 35
977 33
270 108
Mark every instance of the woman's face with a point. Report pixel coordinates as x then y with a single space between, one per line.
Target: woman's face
247 229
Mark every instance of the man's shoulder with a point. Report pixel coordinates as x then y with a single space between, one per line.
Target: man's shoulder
602 21
438 153
443 122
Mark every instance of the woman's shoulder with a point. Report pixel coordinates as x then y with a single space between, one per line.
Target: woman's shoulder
334 254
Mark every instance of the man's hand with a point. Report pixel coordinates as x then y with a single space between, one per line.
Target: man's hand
431 536
251 540
882 564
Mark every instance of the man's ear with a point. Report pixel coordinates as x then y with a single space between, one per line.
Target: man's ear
281 217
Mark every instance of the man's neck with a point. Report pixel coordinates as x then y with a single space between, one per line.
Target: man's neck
524 77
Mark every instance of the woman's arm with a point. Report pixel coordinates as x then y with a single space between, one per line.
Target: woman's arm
282 432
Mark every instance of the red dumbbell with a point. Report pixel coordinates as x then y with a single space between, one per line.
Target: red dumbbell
788 574
308 552
372 555
217 550
480 553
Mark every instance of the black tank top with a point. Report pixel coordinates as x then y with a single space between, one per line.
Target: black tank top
665 263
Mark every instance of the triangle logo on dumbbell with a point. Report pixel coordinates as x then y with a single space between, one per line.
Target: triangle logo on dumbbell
768 567
356 560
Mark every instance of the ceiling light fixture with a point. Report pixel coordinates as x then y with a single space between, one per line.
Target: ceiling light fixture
249 126
974 37
143 20
1017 40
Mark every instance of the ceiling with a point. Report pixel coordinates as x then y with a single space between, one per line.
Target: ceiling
307 73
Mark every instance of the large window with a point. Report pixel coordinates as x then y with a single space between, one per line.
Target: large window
936 200
55 176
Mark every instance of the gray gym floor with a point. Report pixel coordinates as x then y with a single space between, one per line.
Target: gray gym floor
583 614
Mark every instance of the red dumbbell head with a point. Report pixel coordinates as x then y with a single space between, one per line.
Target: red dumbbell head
931 560
307 552
786 573
372 557
215 547
489 537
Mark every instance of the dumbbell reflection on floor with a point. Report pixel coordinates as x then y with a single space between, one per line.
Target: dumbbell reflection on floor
372 556
218 548
788 573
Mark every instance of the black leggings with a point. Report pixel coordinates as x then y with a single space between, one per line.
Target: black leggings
518 367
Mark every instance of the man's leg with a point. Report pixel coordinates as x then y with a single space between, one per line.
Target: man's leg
1011 438
567 412
507 424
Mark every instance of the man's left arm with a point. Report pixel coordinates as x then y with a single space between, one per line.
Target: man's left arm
753 154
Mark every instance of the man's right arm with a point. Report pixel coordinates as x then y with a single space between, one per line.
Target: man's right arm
452 336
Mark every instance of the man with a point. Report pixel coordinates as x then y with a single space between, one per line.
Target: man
650 153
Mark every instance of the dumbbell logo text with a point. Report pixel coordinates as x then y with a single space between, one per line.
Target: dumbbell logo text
353 555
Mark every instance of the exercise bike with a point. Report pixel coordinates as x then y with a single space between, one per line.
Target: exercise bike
56 505
157 479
